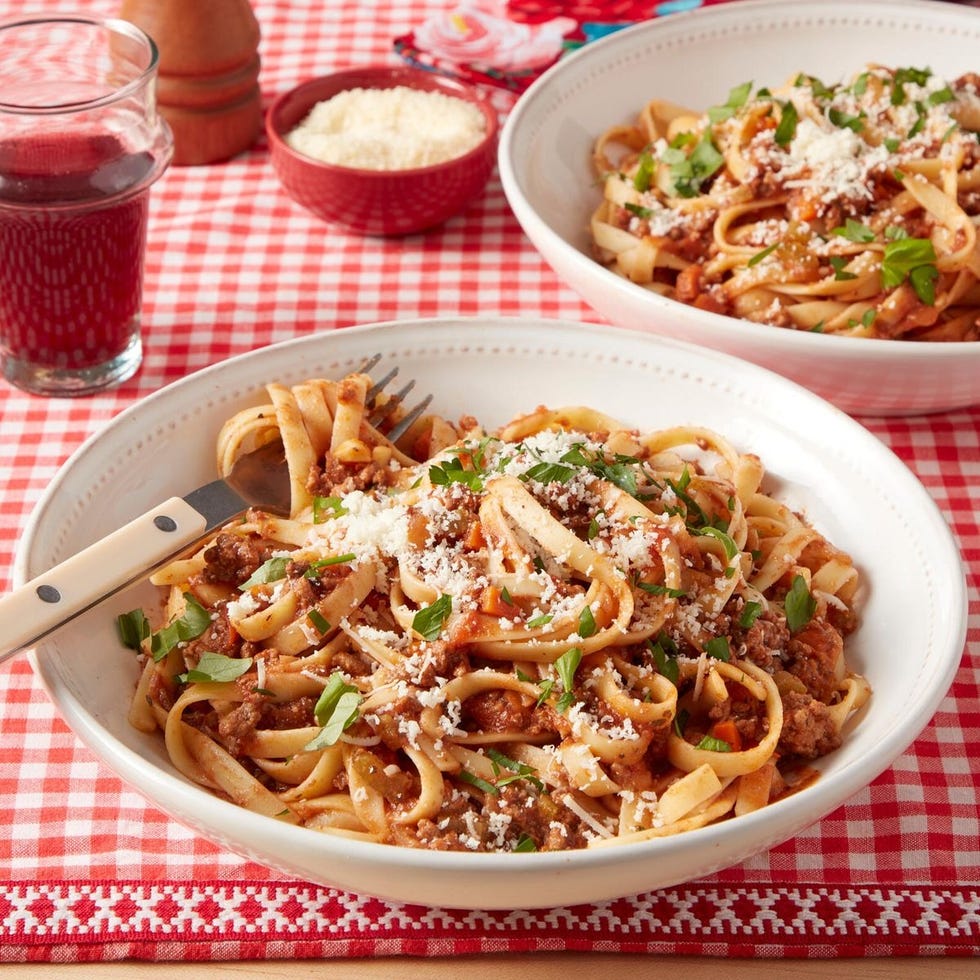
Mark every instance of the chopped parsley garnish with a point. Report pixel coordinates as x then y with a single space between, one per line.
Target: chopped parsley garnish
269 571
452 471
644 172
653 589
731 549
837 263
820 89
428 621
517 769
712 744
913 259
533 624
846 120
688 172
133 628
216 668
637 209
621 471
904 76
759 256
327 562
717 647
750 613
336 710
479 783
324 507
854 231
566 665
788 120
549 473
525 845
586 623
319 623
737 98
664 651
799 605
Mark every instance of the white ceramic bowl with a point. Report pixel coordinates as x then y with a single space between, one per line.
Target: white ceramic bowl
820 461
695 59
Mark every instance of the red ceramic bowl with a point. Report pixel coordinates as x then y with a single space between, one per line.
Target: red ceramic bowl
379 202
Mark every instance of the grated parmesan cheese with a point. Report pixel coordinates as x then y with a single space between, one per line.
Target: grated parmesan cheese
389 129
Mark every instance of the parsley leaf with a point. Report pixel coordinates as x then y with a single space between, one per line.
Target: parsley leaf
854 231
452 471
717 647
428 622
845 120
550 473
478 782
586 623
324 507
653 589
638 209
837 263
664 651
712 744
903 259
731 549
195 620
788 120
566 665
765 253
336 710
319 623
750 613
217 668
689 172
799 605
737 98
269 571
519 770
644 172
327 562
133 627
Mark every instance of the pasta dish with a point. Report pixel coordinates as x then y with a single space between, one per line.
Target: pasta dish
849 209
564 633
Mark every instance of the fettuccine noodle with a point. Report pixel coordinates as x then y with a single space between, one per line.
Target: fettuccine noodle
849 209
567 633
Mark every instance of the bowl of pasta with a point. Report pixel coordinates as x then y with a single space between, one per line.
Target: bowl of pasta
528 652
794 184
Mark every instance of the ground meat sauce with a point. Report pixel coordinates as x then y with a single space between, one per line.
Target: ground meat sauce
805 665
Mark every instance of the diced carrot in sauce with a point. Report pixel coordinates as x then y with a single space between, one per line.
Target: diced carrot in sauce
726 731
492 602
474 539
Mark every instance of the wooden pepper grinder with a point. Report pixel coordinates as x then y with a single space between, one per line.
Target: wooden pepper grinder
208 81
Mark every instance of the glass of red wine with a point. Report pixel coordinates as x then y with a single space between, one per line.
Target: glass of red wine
81 143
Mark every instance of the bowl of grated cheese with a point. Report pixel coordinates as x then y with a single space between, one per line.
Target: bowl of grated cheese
383 150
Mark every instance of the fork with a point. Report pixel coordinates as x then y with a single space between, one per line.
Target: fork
258 479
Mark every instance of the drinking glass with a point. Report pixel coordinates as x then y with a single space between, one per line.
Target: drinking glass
81 142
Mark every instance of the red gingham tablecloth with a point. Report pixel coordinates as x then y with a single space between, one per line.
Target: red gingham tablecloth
89 871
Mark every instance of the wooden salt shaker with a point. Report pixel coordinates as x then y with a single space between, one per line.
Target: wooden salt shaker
207 86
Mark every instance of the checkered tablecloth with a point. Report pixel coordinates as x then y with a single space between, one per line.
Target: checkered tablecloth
89 870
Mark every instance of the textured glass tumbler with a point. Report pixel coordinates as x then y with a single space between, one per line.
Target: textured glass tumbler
81 142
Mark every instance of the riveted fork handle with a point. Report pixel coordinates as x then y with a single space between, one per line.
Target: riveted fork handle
57 596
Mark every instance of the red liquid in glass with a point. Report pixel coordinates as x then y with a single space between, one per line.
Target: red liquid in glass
71 248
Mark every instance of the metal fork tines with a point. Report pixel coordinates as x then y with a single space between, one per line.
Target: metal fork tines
382 411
